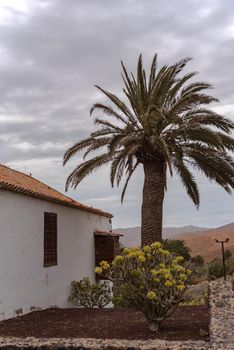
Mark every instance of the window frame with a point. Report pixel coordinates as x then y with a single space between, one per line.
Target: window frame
50 234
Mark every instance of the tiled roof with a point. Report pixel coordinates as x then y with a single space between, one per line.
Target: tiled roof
107 233
16 181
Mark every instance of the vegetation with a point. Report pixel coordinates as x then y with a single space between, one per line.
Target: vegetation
88 295
177 247
196 294
212 270
227 254
197 260
151 280
215 267
165 128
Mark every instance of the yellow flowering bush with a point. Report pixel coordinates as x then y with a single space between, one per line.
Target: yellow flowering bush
104 265
150 279
151 295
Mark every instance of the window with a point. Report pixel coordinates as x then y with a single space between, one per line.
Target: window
50 239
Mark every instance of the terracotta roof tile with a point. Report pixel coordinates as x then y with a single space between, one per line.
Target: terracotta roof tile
17 181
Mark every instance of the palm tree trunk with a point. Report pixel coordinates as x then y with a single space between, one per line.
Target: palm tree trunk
152 204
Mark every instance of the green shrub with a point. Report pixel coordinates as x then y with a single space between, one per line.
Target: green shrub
215 269
230 265
177 247
197 260
227 254
88 295
151 280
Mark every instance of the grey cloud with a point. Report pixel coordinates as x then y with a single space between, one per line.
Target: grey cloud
54 53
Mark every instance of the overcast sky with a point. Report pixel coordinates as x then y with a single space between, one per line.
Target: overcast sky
52 52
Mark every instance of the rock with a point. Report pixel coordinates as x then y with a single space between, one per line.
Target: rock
220 304
203 333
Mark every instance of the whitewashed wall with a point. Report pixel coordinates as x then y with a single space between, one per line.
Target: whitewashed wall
24 282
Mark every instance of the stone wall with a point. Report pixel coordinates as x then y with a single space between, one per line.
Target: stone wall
221 302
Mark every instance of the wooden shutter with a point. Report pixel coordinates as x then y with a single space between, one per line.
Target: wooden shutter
106 248
50 239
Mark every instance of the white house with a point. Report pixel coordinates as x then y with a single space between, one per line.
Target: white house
46 240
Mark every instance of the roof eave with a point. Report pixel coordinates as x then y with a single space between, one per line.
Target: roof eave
30 193
107 233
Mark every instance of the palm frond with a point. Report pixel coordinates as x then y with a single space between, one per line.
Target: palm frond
114 167
198 133
127 180
195 88
86 168
187 180
103 131
175 89
77 147
97 144
120 104
227 141
152 73
109 111
142 87
215 166
188 101
130 91
108 124
207 117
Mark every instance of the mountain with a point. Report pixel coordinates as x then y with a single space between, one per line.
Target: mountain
199 240
203 242
132 235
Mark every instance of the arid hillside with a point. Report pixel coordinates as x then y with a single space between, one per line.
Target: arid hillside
203 242
132 235
200 240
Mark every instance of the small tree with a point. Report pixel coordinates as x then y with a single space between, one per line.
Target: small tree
88 295
150 279
215 269
198 260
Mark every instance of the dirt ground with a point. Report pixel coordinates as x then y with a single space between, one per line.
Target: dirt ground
184 324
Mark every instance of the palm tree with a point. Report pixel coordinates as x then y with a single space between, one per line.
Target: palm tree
164 127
